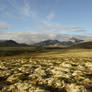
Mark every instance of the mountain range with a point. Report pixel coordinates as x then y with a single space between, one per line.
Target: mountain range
72 43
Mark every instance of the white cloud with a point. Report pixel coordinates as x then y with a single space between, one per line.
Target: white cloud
26 9
49 18
4 26
22 9
78 30
34 37
61 28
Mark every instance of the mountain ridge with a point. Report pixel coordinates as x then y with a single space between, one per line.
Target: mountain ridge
69 42
72 43
10 43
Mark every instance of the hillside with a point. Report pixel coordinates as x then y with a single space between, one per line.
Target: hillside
85 44
4 43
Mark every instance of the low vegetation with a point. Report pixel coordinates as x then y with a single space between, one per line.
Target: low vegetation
46 70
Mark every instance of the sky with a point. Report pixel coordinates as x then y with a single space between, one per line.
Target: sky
31 21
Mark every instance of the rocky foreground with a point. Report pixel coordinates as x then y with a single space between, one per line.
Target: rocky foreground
41 74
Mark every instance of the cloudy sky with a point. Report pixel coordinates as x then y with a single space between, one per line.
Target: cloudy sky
37 20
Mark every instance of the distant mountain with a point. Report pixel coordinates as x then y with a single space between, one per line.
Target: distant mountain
84 44
75 40
48 43
70 42
52 43
10 43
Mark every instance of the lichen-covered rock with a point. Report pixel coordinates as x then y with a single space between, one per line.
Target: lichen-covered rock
75 88
45 74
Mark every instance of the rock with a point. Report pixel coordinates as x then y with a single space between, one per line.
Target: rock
75 88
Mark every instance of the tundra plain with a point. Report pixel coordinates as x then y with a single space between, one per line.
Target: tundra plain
45 70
